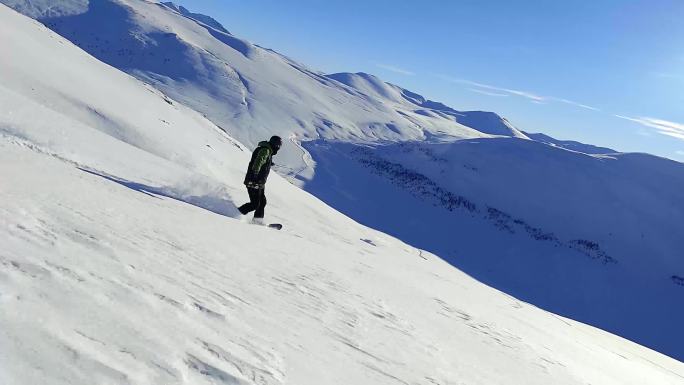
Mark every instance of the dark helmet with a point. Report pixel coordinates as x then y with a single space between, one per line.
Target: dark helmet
275 143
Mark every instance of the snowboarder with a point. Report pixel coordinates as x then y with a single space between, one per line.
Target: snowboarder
255 180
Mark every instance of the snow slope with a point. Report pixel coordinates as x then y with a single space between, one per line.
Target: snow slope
121 262
551 209
584 236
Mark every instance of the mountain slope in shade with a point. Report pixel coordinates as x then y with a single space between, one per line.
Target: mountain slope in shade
122 262
48 8
584 236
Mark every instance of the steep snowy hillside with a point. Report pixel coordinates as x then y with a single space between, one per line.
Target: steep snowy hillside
535 213
236 83
121 262
583 236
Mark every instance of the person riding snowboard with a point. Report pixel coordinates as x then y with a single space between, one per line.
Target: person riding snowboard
257 173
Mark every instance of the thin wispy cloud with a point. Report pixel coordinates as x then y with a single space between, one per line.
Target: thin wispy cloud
680 152
661 126
488 93
577 104
525 94
488 89
668 76
664 127
498 90
395 69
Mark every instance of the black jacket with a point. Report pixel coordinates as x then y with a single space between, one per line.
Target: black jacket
259 166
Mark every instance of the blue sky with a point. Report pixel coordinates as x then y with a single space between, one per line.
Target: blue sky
607 72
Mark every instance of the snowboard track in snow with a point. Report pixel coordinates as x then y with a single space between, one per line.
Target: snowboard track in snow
217 205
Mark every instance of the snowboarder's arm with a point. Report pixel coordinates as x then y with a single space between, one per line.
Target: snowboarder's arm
261 159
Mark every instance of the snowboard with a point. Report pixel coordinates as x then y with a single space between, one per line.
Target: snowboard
276 226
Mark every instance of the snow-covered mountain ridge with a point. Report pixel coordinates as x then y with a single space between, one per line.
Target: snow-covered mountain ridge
121 261
570 144
208 20
251 91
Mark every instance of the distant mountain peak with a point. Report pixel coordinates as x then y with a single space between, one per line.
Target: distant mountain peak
350 77
570 144
204 19
483 121
367 75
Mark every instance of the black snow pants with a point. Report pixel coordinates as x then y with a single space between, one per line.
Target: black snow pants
257 201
